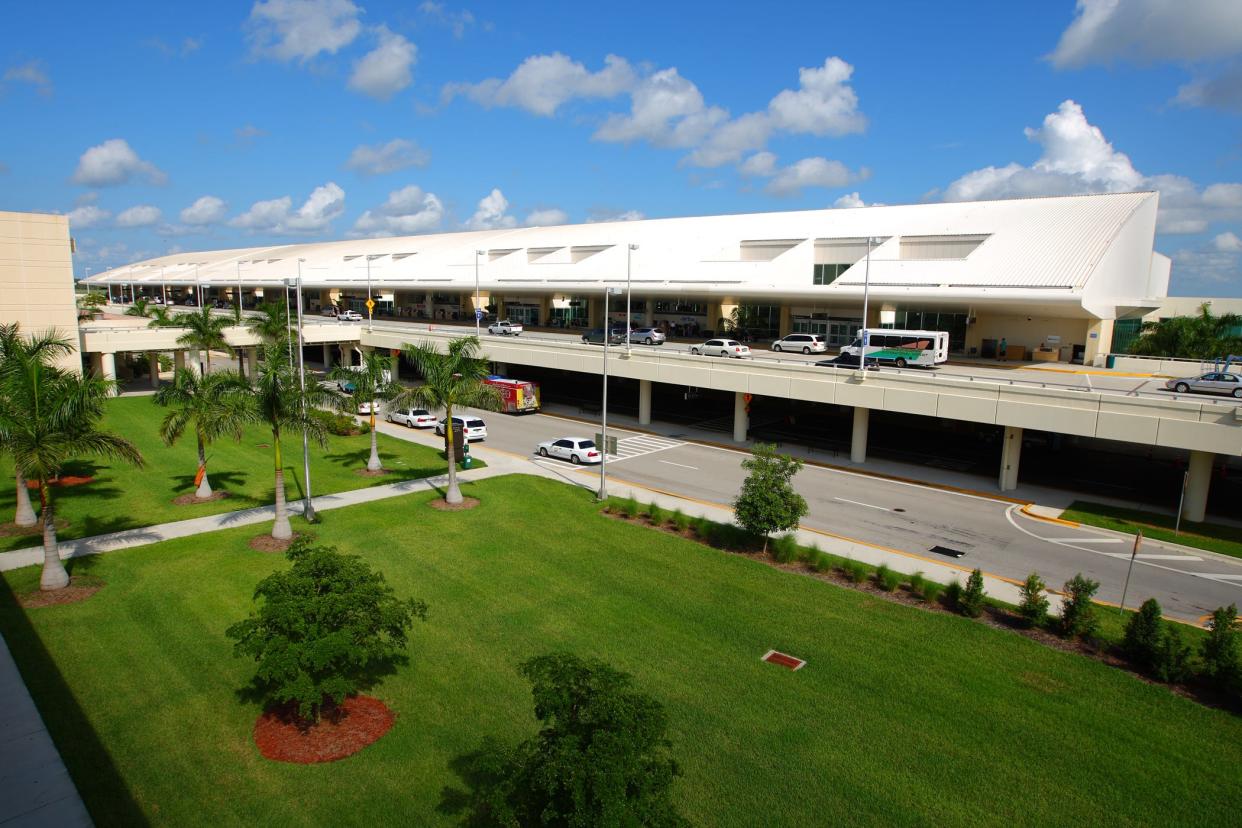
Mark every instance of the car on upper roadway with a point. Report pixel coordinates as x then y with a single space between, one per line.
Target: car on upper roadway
1213 382
471 427
364 407
505 328
577 450
596 337
722 348
804 342
647 336
412 418
342 315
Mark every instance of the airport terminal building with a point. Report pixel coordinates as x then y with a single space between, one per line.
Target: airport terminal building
1050 276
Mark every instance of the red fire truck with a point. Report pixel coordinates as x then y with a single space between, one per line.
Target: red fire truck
516 396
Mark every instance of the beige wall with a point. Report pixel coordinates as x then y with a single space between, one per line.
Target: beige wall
1189 306
1027 331
36 277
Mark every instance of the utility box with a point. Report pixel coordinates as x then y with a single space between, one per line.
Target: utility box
459 443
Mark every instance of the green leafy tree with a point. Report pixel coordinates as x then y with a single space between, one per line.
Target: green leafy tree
140 307
1203 336
372 381
212 406
1221 660
270 323
1144 631
324 627
971 600
1078 619
1171 660
283 405
91 304
204 332
768 502
451 380
50 417
1034 604
161 317
601 757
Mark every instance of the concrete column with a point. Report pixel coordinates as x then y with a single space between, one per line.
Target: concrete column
1197 486
153 361
500 369
644 402
97 364
107 362
858 443
178 360
252 363
1011 453
649 312
741 420
395 368
327 356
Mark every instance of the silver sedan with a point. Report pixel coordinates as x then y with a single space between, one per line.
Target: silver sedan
1213 382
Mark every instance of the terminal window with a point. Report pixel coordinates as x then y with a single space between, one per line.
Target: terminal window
826 274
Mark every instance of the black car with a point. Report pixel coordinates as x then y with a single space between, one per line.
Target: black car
840 361
596 337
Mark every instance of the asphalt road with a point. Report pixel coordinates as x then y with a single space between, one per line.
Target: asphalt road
910 518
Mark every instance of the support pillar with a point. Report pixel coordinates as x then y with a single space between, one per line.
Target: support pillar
500 368
1011 453
1195 507
107 363
178 360
394 370
741 420
858 442
153 361
644 402
252 363
327 356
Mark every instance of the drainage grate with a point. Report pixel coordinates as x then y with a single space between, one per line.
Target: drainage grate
944 550
898 509
783 660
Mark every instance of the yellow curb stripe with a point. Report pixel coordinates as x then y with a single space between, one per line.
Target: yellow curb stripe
1059 521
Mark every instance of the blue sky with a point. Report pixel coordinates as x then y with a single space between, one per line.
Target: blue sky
165 127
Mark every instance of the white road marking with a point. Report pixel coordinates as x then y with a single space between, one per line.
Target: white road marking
640 445
858 503
1085 540
683 465
1142 557
1222 577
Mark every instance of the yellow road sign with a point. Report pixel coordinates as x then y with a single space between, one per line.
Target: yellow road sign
370 304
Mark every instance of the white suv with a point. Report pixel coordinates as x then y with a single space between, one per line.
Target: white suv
804 342
472 428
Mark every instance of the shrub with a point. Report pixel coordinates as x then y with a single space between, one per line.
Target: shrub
1077 610
1033 608
886 579
917 583
703 527
931 591
340 424
856 571
629 507
655 513
768 502
822 562
971 600
325 625
680 521
953 595
1220 649
1143 636
785 548
1171 659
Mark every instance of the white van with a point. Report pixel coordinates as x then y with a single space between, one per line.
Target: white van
901 348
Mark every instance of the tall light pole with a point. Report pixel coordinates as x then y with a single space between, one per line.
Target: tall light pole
603 432
370 301
478 317
629 249
308 508
862 334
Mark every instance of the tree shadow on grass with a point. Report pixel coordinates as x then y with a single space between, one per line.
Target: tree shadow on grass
97 779
229 481
483 774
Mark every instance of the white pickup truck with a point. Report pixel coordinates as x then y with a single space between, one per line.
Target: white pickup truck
505 327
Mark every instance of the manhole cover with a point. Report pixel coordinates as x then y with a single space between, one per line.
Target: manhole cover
898 509
944 550
783 660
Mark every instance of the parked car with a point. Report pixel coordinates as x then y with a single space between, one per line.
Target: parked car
505 328
647 336
596 337
345 386
721 348
577 450
364 407
1213 382
412 418
472 427
804 342
339 315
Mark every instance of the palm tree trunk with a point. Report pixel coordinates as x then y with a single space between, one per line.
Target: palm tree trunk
281 530
241 360
374 463
453 495
25 515
54 575
204 486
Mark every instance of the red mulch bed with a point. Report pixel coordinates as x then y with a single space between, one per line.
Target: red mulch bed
266 543
10 529
369 473
80 588
342 731
444 506
191 499
67 480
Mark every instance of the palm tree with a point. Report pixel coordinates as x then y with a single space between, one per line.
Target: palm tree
161 317
90 304
205 332
140 307
280 402
213 406
449 381
271 324
372 381
16 350
50 416
1202 337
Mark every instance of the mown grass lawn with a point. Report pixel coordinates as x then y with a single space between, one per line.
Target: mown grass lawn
1214 537
900 717
123 497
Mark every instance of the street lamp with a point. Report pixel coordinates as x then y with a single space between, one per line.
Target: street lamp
308 509
478 316
603 432
370 302
629 249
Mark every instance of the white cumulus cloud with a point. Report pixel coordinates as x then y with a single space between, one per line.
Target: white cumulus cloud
666 110
1104 31
87 215
114 162
407 211
492 213
791 180
849 200
385 70
546 218
397 154
1227 242
541 84
141 215
277 215
205 210
302 29
457 22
